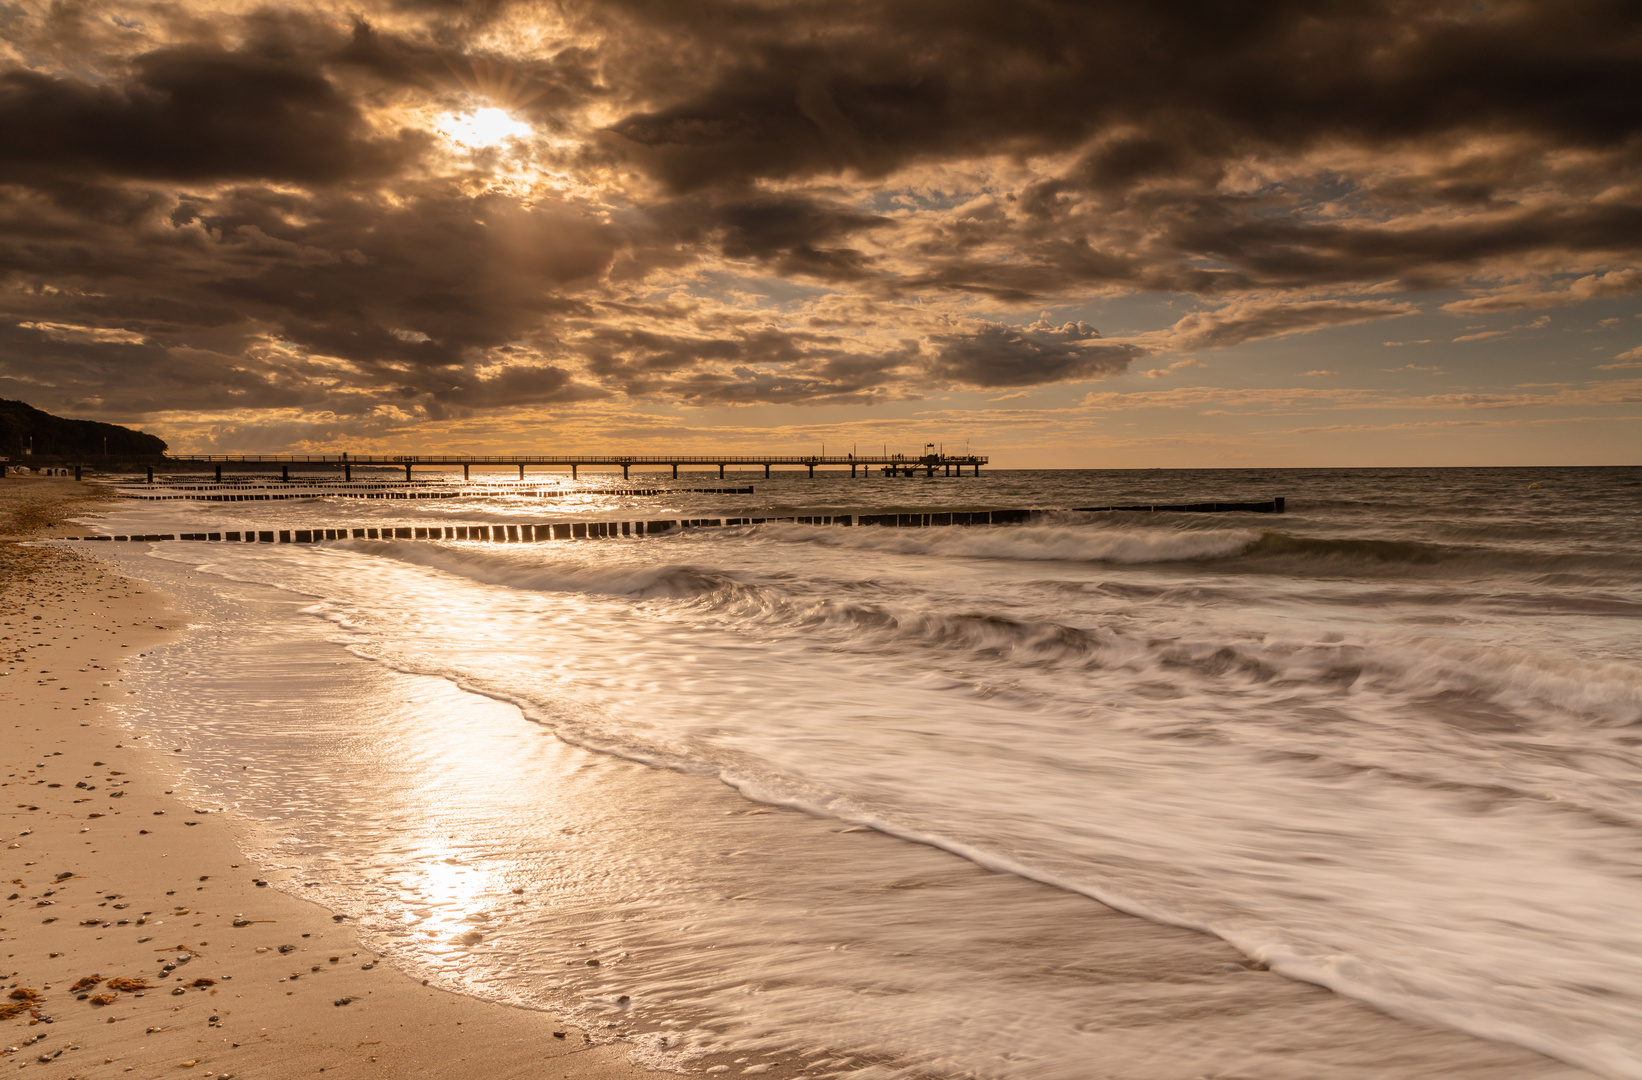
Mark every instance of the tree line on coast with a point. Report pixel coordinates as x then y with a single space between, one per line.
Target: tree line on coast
26 431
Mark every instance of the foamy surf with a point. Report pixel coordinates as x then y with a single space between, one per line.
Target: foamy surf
1389 754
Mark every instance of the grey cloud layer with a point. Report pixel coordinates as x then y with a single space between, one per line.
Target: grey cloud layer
251 211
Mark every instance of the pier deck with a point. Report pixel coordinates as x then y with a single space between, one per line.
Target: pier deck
889 465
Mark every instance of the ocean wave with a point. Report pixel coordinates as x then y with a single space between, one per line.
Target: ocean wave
1348 549
507 568
1267 551
1516 681
1037 543
1373 557
1507 683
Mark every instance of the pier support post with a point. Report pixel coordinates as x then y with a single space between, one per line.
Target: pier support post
347 471
285 473
721 470
766 470
464 474
573 469
675 470
219 474
852 470
521 474
151 474
407 472
812 472
624 470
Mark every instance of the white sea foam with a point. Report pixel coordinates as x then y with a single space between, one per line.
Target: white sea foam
1333 744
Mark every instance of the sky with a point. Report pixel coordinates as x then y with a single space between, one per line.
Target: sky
1089 235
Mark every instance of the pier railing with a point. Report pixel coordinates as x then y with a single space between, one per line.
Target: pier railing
889 464
584 459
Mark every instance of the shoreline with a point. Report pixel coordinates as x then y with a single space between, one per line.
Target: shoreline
390 1024
116 878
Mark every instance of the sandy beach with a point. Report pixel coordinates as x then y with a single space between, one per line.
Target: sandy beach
137 940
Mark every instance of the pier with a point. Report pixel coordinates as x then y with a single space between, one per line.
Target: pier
927 464
281 491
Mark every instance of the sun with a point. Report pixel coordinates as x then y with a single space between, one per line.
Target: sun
481 128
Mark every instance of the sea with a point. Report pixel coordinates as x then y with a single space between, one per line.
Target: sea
1350 791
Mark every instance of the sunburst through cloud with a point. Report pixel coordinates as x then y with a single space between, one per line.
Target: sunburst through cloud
483 127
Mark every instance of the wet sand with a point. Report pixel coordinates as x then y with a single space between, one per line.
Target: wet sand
110 877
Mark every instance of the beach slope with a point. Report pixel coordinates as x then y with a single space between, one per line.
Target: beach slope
133 933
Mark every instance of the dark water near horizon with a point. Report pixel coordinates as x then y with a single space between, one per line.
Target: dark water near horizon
1387 743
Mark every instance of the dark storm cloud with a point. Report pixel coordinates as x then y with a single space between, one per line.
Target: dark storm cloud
341 273
754 365
192 113
1161 103
797 236
64 365
996 355
422 282
870 87
1265 252
232 296
524 385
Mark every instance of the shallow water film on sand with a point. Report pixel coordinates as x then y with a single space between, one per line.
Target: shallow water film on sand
861 800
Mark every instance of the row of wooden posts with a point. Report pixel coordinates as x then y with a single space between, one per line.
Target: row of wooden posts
593 530
576 530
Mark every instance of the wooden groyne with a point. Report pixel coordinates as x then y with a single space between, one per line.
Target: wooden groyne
595 530
1275 506
564 530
